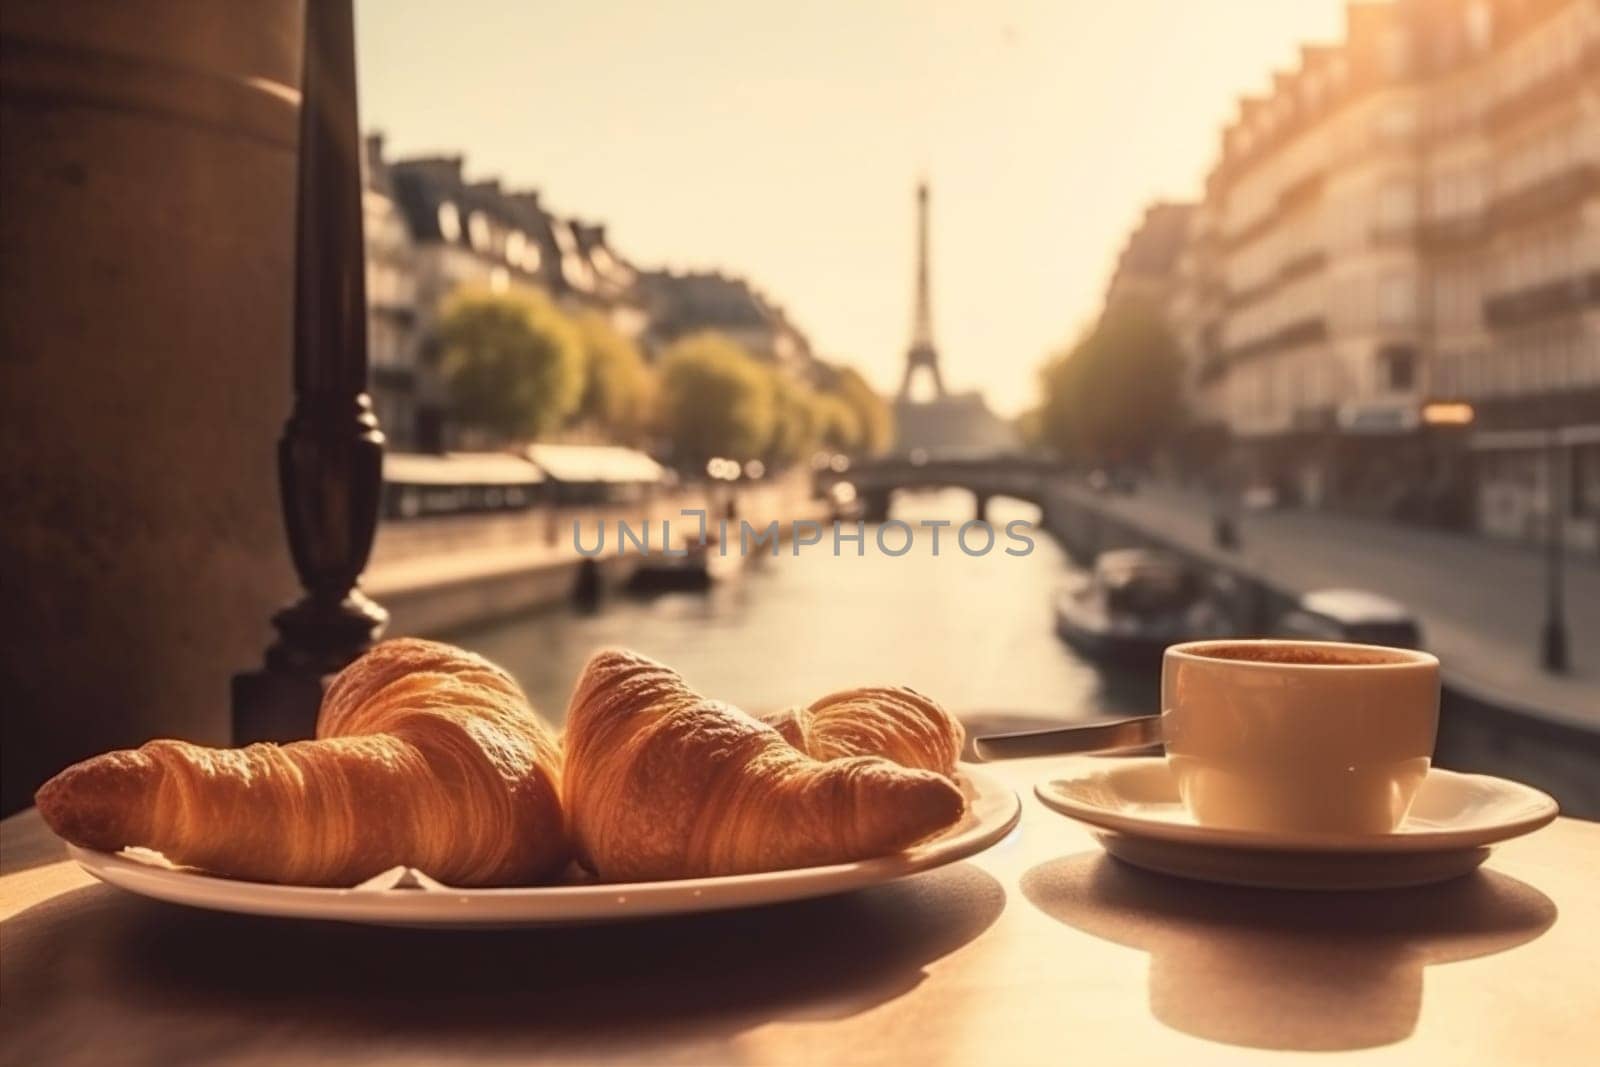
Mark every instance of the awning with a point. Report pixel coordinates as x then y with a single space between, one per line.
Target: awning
609 464
1525 440
1378 417
459 468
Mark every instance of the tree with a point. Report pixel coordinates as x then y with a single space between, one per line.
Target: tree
715 400
1115 395
838 426
618 384
513 365
873 419
796 422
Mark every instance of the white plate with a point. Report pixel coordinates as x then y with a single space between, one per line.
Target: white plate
1453 820
404 898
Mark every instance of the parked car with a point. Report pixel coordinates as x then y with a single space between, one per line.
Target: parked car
1351 615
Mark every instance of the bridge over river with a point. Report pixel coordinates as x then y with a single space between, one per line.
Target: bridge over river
984 474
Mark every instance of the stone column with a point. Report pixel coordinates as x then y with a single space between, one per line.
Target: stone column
148 183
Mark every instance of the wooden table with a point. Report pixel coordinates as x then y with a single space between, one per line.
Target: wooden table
1040 951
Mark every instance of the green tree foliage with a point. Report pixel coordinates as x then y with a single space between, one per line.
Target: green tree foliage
838 425
796 425
1115 395
1030 424
874 422
618 385
513 364
715 400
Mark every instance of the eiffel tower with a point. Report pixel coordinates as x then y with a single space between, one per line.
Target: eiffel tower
947 420
922 355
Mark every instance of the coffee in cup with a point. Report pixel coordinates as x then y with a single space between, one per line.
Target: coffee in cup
1313 737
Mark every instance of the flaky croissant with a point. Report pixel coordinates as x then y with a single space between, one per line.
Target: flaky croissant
426 756
662 783
898 724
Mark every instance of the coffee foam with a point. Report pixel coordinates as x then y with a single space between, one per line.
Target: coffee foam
1306 654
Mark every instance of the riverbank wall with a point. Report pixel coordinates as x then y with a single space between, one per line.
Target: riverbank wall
1483 728
439 575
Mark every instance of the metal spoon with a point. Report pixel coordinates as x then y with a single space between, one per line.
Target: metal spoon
1138 732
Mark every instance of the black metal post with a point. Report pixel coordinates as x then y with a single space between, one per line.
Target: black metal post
1224 527
1224 513
330 458
1553 638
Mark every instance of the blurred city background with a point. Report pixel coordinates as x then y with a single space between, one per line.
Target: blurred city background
1274 318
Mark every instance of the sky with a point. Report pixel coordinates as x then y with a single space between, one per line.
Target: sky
783 142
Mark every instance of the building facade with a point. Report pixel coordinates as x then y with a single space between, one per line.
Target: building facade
1510 134
679 303
432 232
392 329
1147 269
1390 293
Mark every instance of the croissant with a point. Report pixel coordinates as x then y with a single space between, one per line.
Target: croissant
898 724
660 783
426 756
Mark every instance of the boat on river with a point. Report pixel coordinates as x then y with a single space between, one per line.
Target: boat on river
1133 604
695 565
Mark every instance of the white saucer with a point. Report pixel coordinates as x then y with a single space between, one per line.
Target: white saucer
1134 804
403 897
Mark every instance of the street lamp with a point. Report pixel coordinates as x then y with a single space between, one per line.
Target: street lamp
1224 511
1553 634
330 458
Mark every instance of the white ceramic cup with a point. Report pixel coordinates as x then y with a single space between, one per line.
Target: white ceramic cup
1312 737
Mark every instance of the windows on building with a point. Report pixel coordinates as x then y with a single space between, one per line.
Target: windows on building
1456 192
1480 24
1397 123
478 232
1447 377
1338 72
1311 90
1397 300
1397 368
449 222
1396 48
1584 493
531 259
1397 204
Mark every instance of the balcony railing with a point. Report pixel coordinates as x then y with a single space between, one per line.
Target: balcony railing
1551 196
1554 88
1521 307
1300 332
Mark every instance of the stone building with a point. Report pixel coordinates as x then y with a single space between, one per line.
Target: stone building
1391 288
432 232
392 334
1147 268
679 303
1510 228
467 234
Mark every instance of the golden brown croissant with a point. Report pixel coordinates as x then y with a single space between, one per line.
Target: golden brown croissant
426 756
898 724
663 783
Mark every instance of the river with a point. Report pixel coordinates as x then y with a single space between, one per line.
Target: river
975 632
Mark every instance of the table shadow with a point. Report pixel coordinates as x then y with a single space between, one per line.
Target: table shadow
1288 970
97 970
